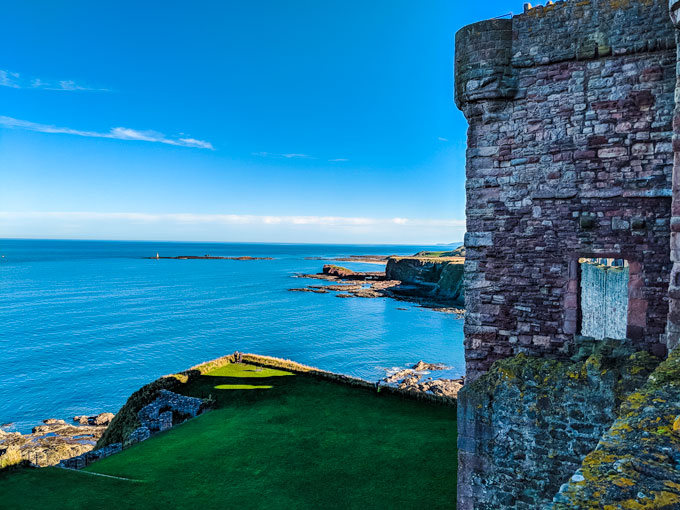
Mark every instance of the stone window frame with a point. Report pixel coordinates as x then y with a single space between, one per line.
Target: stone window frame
637 303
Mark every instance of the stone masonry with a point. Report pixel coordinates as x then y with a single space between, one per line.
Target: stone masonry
673 327
525 427
161 414
570 110
573 136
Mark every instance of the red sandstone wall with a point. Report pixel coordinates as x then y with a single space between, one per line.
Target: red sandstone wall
673 326
569 155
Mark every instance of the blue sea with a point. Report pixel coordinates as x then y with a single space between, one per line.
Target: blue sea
83 324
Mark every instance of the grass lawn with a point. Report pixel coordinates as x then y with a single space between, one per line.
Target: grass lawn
276 440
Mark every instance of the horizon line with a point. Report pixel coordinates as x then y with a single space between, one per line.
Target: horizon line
219 242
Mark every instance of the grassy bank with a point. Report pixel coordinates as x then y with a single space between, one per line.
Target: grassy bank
276 440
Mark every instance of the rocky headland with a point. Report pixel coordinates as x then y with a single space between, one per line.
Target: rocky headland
431 279
434 275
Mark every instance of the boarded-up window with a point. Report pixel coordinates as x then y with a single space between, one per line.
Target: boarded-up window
604 298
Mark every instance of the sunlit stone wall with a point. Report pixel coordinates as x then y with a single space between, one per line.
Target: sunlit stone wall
570 110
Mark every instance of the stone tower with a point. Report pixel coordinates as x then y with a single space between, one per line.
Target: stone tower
570 110
573 137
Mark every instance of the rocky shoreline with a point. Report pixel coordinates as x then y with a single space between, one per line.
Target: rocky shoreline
373 284
58 443
156 408
411 379
55 440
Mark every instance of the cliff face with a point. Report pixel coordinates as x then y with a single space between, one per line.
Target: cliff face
436 277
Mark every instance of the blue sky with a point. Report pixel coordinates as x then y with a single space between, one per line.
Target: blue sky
281 121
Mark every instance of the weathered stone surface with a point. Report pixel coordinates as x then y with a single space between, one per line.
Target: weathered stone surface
637 462
525 426
138 435
574 161
85 459
571 154
155 417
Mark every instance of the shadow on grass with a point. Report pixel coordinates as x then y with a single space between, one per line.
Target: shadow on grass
235 381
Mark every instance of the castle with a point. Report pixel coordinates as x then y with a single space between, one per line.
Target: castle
573 222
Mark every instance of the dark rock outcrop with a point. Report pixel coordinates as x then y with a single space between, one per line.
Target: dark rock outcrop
99 419
428 277
339 271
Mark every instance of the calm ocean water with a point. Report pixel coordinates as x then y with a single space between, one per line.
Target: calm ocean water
85 323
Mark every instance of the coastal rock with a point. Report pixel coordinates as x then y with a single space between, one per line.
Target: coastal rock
421 365
442 387
49 443
384 284
410 379
409 382
54 421
398 376
103 418
309 289
339 271
98 419
426 276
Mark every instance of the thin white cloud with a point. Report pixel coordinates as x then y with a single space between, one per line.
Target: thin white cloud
298 156
231 219
17 81
117 133
442 139
293 155
8 79
289 155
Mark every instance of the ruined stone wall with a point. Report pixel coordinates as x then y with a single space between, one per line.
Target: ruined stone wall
673 326
637 462
525 426
570 111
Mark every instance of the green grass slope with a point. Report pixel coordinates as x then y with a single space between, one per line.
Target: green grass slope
275 440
